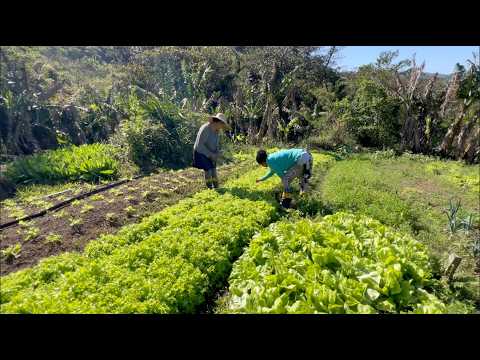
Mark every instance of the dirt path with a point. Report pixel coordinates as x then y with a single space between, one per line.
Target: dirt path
72 227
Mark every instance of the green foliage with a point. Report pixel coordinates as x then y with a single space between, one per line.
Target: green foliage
455 173
12 252
31 233
76 225
155 133
455 220
13 209
112 219
469 87
331 136
339 264
475 248
86 208
356 186
452 212
59 214
267 92
386 154
97 197
28 230
371 115
130 211
53 239
86 163
404 193
325 98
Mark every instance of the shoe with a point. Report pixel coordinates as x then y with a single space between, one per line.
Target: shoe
286 203
286 195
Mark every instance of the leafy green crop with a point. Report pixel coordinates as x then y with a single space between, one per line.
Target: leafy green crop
12 252
86 162
339 264
76 225
53 239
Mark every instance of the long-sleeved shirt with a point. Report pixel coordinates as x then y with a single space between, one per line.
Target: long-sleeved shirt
279 162
207 142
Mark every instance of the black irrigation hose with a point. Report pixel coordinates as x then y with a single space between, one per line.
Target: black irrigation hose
66 202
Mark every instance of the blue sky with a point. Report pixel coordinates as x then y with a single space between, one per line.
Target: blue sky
440 59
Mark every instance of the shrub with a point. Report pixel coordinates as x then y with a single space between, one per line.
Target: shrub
155 133
331 137
371 115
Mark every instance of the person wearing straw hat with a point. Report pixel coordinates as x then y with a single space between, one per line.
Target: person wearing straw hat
206 150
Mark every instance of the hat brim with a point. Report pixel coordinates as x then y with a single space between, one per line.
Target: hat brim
223 121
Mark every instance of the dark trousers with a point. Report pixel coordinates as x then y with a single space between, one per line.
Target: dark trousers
209 167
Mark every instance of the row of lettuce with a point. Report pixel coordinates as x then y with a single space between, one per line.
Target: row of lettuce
169 263
340 264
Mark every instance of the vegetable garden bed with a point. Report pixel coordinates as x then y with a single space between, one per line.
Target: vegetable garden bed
168 263
72 227
340 264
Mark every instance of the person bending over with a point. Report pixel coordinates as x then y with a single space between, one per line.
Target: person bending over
288 164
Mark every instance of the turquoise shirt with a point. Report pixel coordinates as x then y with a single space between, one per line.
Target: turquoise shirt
281 161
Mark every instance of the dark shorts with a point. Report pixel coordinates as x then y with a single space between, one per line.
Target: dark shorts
200 161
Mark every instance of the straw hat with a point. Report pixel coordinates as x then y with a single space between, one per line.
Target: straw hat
221 117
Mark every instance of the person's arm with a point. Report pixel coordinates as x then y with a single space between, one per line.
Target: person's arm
267 175
217 151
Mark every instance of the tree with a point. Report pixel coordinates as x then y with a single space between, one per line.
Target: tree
462 138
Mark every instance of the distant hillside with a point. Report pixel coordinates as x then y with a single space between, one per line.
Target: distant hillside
426 75
440 76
